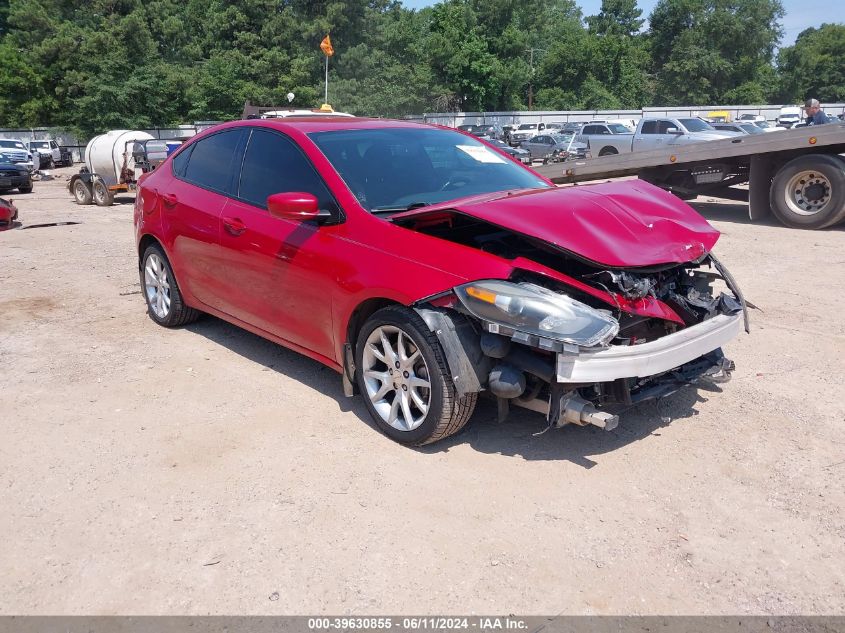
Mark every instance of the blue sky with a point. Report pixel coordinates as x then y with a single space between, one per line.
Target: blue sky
800 14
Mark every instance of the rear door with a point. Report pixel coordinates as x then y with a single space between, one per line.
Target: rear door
280 274
653 134
204 174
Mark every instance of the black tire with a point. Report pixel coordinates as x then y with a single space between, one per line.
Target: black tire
51 164
82 192
814 174
178 313
447 414
608 151
102 196
26 189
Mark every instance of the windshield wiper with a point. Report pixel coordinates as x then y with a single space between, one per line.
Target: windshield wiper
388 209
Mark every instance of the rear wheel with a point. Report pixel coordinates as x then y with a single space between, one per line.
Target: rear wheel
102 196
161 292
608 151
26 188
82 192
809 192
402 374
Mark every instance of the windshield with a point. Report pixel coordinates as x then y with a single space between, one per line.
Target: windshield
12 144
39 144
751 129
618 128
762 124
528 126
562 138
396 168
697 125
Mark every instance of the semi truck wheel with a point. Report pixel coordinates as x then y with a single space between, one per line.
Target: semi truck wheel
809 192
102 196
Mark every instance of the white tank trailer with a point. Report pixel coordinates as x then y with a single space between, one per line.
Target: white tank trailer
113 162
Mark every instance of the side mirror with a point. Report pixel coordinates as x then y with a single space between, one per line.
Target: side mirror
673 130
297 206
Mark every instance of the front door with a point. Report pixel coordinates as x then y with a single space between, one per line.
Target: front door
278 274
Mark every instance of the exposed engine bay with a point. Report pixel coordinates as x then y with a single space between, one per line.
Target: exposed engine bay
641 333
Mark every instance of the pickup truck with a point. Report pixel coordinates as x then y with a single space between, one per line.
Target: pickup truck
650 134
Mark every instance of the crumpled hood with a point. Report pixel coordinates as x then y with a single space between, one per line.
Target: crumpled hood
619 224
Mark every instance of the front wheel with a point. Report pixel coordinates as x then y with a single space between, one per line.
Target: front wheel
608 151
26 188
809 192
402 374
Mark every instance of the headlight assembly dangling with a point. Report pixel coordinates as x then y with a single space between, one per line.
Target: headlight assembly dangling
535 310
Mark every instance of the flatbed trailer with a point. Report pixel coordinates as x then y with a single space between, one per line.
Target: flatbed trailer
796 174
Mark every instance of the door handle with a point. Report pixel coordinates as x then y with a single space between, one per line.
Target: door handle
234 226
169 199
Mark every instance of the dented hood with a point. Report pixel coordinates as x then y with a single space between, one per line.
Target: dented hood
620 224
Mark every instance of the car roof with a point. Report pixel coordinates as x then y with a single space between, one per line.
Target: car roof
324 124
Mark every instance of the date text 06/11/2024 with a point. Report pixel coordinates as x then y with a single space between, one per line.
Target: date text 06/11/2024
428 623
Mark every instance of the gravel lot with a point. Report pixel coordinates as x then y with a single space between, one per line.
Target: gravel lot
204 470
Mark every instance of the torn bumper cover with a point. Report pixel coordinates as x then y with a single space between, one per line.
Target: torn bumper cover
647 359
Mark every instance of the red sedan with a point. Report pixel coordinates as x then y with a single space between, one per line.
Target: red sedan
425 267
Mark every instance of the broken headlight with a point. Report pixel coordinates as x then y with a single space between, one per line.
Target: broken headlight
536 310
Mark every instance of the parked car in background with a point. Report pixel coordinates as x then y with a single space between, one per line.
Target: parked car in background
718 116
525 132
752 118
768 127
424 267
468 128
14 175
660 132
573 126
66 156
604 139
741 128
18 153
48 152
506 131
789 116
561 146
520 154
487 130
8 213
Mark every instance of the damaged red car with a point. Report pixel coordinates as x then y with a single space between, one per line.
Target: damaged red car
426 267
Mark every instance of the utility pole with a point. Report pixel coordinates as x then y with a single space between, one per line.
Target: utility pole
530 52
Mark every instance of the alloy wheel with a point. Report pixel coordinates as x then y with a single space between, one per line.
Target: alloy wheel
157 286
396 378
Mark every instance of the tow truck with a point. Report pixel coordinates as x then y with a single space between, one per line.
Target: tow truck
798 174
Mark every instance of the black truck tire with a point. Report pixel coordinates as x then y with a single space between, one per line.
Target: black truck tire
808 192
82 191
102 196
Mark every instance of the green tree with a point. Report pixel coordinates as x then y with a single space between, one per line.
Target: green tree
814 67
704 49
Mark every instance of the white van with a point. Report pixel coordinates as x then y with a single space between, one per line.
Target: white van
789 116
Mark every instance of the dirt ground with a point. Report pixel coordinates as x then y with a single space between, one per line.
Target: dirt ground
204 470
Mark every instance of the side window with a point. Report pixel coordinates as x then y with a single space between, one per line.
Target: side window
589 129
274 164
649 127
663 126
212 161
53 145
603 129
180 161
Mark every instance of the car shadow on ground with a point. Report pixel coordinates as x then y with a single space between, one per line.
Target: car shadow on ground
521 435
737 213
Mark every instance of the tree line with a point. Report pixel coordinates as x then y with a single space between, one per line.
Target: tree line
92 65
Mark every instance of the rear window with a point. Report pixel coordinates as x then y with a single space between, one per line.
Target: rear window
212 161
